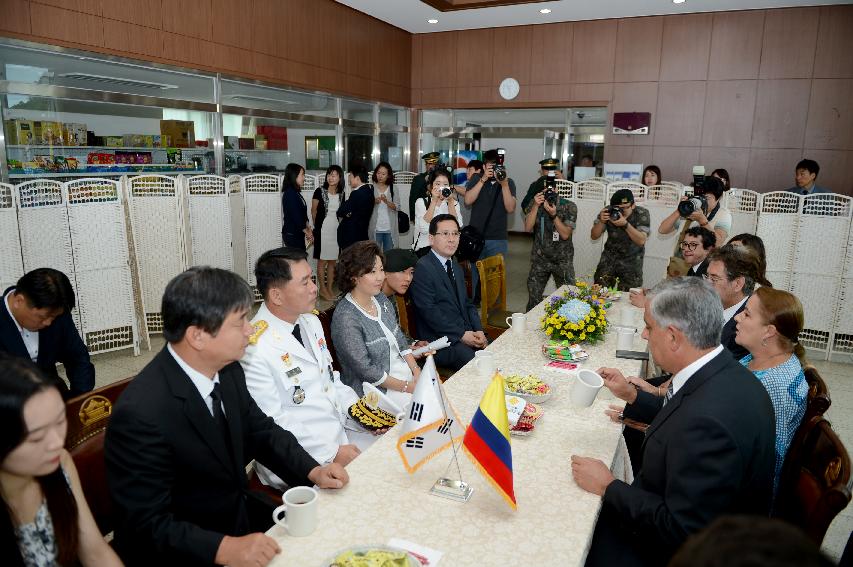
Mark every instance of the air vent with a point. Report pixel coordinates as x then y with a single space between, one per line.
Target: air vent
252 98
116 81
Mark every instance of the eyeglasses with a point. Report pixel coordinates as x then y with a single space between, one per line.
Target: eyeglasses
712 278
688 245
448 233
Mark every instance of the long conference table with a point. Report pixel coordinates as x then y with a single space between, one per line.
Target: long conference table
555 519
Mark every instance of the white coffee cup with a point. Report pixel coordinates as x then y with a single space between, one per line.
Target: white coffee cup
300 509
627 317
484 361
585 388
518 322
625 338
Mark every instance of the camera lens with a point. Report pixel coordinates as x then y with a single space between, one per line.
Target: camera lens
615 213
446 192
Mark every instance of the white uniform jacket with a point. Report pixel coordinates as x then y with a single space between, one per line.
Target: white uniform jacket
276 364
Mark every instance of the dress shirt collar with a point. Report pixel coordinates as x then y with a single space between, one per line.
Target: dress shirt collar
683 375
441 258
203 384
12 315
268 316
730 312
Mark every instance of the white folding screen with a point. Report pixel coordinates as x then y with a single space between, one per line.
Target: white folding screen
824 226
842 340
11 263
743 204
209 221
661 201
159 247
262 211
236 207
105 297
778 213
589 197
43 225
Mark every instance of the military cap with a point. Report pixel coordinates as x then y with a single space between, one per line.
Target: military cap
431 157
622 197
549 163
399 260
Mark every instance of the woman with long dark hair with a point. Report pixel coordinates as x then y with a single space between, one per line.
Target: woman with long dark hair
45 519
384 227
324 207
295 231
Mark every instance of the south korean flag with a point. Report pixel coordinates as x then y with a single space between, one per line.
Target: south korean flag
431 422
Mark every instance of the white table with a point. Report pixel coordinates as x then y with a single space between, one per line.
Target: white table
555 519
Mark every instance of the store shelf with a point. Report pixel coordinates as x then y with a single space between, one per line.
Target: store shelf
103 174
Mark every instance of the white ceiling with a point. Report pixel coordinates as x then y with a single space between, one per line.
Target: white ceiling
412 15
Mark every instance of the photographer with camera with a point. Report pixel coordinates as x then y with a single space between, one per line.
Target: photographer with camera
441 201
627 228
491 197
702 209
552 221
551 170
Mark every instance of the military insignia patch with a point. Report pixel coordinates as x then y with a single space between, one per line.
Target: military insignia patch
260 327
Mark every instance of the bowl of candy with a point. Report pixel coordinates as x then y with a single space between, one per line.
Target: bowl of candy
529 387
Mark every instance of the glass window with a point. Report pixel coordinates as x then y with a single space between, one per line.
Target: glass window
435 118
250 95
393 116
356 110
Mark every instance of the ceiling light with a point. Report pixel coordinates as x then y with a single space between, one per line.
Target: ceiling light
678 1
544 11
436 21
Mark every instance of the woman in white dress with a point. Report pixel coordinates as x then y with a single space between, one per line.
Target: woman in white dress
442 200
324 204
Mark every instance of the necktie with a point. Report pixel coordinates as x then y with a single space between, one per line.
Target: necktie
219 415
449 266
669 393
298 334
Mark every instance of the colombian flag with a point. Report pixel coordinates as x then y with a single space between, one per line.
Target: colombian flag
487 440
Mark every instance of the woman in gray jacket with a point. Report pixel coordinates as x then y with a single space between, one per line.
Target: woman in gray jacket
368 341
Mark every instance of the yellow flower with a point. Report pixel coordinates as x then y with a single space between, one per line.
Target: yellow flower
590 329
558 326
582 336
570 335
549 330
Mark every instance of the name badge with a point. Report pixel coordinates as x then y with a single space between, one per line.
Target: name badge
556 236
294 372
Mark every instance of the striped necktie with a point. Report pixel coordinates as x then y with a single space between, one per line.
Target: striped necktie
669 393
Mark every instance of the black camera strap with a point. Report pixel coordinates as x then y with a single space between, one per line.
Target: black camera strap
714 212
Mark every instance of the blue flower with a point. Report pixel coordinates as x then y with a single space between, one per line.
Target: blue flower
574 310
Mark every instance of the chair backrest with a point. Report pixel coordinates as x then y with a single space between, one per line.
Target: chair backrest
818 396
88 416
492 285
325 317
814 485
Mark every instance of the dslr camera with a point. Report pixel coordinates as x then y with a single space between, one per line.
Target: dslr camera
614 212
500 168
697 202
550 192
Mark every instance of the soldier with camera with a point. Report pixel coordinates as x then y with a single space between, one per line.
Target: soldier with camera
627 228
702 209
539 185
551 219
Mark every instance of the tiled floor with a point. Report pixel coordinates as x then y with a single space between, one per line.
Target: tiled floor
838 376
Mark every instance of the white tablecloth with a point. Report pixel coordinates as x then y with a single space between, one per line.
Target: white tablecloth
555 519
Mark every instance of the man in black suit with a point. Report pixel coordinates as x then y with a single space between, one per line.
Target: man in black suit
36 324
183 431
733 270
709 448
354 213
442 306
697 244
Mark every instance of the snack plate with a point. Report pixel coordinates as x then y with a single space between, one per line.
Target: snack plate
411 561
527 433
534 398
578 357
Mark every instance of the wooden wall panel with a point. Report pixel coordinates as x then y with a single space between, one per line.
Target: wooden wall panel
675 162
130 38
438 53
772 169
736 45
189 17
830 120
790 40
473 59
638 49
734 160
16 17
551 53
781 109
835 43
85 6
680 111
633 97
511 52
64 25
148 13
834 168
685 47
729 112
593 51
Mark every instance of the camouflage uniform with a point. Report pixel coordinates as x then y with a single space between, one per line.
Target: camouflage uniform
621 257
535 187
548 257
419 189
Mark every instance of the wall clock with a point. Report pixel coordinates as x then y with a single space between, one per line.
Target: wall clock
509 88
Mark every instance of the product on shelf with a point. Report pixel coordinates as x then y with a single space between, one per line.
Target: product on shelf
181 132
133 157
276 136
48 133
138 141
74 134
247 143
100 158
114 141
20 131
232 142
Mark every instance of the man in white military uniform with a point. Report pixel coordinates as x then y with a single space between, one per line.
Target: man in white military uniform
288 366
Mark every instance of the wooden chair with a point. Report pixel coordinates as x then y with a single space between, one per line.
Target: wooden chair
818 396
815 483
406 309
88 416
325 317
493 313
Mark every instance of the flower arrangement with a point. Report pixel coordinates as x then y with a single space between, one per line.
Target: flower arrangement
577 315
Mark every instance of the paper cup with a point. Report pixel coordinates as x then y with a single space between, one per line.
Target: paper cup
585 388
